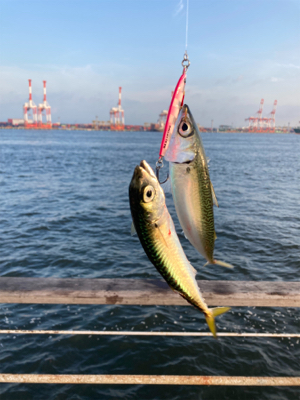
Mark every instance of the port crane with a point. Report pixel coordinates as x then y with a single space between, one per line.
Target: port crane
30 106
44 106
117 121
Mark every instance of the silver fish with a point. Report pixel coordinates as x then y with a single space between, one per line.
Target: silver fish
192 190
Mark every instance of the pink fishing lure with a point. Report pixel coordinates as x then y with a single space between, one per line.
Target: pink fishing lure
175 106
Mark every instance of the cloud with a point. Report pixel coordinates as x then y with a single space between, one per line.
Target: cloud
293 66
274 79
179 8
228 80
239 78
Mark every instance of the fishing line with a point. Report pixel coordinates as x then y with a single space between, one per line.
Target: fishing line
186 24
176 102
145 333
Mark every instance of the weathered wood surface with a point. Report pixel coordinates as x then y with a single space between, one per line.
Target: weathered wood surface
145 292
152 380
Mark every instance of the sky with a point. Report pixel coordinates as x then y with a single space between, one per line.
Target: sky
240 52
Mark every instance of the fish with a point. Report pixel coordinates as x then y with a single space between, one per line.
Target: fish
156 231
191 187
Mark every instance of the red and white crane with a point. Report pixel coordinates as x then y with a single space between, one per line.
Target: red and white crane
44 106
117 120
259 118
272 119
256 123
30 106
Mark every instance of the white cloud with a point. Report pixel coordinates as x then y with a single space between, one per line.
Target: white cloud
274 79
293 66
179 8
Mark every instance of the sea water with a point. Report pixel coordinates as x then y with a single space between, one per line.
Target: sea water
65 214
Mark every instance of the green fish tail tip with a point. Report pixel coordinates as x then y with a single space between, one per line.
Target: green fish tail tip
210 319
223 264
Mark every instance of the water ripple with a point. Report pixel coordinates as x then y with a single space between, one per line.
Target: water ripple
66 214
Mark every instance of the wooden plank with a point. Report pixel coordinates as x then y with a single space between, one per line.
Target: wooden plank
152 380
145 292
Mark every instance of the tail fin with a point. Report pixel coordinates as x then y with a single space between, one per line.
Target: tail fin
210 319
218 262
223 264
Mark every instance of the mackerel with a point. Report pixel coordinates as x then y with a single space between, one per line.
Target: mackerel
157 234
192 190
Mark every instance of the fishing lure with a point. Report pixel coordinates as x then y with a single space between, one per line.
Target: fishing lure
174 109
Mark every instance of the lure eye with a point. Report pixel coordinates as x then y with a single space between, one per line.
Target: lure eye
185 129
148 194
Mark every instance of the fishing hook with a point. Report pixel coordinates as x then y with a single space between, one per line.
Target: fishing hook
159 165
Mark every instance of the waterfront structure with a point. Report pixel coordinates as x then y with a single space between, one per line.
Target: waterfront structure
160 126
30 106
260 124
44 106
117 121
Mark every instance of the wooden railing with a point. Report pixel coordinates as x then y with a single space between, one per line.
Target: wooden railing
147 292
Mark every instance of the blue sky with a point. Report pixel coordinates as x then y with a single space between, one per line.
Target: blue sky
240 51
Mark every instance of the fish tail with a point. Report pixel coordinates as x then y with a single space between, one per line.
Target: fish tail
223 264
218 262
210 318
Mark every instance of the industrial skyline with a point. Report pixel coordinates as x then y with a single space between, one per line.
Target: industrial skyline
238 55
116 122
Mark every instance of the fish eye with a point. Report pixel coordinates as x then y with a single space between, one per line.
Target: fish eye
148 194
185 129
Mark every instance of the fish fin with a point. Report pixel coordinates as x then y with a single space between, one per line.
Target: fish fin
163 238
214 197
207 263
215 236
210 319
184 234
132 230
223 264
166 186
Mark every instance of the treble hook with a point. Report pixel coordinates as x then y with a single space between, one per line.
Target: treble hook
159 165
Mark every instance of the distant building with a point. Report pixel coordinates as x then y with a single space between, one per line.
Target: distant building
225 128
15 121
